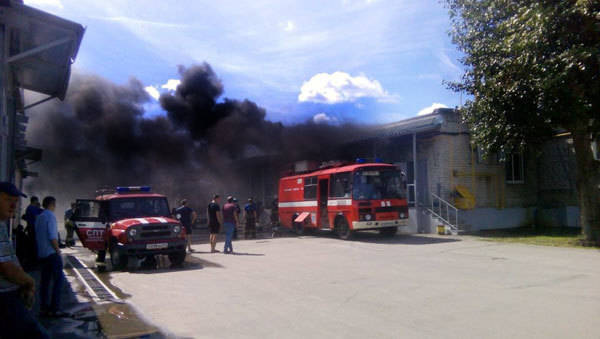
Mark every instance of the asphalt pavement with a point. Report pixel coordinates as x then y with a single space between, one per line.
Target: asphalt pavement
410 286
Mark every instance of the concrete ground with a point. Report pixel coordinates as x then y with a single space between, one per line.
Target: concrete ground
419 286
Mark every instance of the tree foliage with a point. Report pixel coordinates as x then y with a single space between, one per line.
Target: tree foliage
532 68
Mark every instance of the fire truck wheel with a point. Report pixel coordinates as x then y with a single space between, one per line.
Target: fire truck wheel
342 229
177 258
388 231
117 259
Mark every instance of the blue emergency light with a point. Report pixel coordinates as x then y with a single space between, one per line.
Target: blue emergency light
361 160
129 189
378 160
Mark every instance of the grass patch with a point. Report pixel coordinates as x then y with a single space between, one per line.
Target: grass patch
549 236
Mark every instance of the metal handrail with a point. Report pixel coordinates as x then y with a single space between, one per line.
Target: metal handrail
448 207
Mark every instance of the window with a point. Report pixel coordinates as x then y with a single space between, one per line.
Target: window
515 171
479 154
138 208
341 185
310 188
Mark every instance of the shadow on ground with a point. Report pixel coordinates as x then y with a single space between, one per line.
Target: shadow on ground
399 239
522 232
88 319
162 264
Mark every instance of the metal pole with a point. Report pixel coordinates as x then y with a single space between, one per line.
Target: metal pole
414 145
3 114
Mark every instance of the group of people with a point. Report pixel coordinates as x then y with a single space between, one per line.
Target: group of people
17 288
229 217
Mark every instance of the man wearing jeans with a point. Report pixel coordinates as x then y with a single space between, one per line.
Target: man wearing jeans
46 233
17 288
230 220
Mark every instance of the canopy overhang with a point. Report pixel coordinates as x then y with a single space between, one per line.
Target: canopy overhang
43 47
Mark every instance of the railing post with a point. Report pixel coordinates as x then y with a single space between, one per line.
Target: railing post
456 211
448 213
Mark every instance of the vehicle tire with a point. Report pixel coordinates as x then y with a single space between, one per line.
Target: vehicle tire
388 231
118 260
177 258
342 229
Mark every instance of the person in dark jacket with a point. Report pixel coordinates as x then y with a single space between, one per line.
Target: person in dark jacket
187 217
251 216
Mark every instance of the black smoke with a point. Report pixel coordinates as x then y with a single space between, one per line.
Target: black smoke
99 136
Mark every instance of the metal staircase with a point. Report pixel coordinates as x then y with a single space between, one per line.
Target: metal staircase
446 213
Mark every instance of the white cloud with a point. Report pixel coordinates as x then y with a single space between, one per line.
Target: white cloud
44 3
323 118
137 22
152 91
171 84
430 109
288 26
341 87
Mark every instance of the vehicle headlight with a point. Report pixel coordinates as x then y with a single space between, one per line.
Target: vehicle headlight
132 232
401 215
176 228
368 217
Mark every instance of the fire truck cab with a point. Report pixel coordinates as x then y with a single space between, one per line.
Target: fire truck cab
129 222
345 199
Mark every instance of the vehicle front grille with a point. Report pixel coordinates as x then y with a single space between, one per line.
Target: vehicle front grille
156 235
155 227
156 231
389 209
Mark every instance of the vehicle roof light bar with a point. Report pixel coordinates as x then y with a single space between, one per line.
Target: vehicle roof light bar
130 189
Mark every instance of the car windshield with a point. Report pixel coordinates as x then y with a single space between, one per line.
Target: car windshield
378 184
138 208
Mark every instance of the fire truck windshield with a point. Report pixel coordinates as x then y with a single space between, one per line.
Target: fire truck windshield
138 208
378 184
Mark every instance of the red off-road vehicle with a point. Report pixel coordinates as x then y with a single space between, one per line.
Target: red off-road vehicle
129 222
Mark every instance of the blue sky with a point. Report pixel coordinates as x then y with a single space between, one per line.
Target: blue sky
372 61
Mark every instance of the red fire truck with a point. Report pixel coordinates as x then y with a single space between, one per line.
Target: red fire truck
345 198
129 222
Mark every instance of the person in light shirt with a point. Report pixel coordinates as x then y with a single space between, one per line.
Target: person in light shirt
17 288
51 264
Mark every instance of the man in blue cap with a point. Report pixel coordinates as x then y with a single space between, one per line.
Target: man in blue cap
17 288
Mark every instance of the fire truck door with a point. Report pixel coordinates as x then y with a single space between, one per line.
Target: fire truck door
89 224
323 194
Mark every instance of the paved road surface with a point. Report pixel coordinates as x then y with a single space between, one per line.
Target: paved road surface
405 287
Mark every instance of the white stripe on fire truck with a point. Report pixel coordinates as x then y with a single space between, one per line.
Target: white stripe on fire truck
311 203
142 221
161 220
339 202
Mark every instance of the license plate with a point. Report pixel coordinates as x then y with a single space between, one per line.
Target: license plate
157 246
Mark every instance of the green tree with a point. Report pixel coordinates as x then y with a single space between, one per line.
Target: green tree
532 68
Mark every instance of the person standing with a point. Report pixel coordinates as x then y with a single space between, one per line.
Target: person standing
50 260
274 216
187 217
215 219
230 221
17 288
70 225
31 213
250 211
238 212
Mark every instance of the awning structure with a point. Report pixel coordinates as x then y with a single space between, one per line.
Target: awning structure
37 50
42 48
